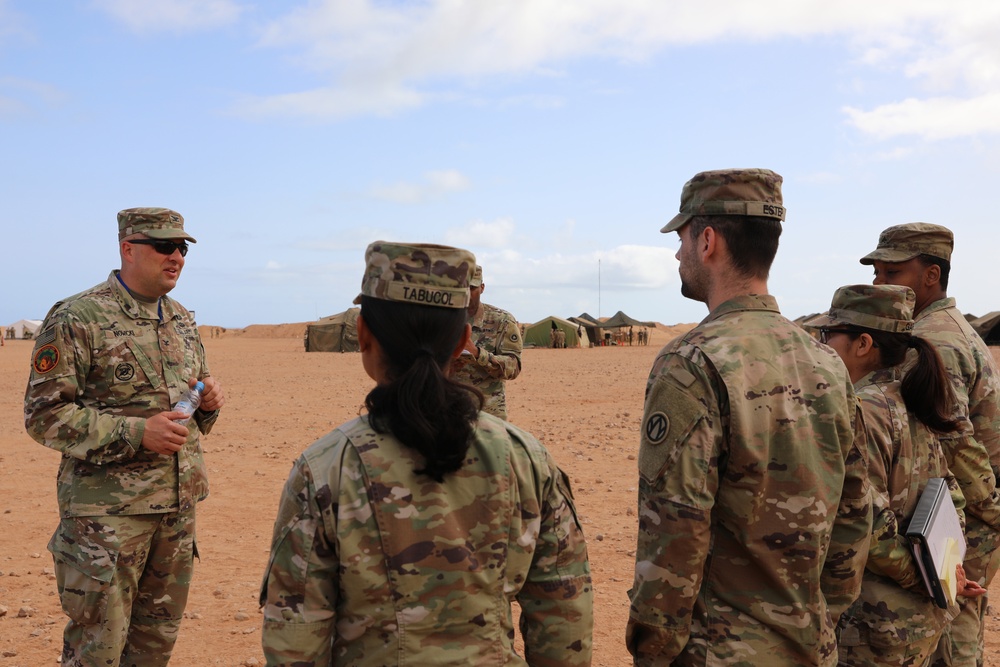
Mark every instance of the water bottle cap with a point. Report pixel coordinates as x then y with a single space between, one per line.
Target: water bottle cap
199 386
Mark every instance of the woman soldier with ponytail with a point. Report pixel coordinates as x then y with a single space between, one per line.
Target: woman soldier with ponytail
906 407
403 536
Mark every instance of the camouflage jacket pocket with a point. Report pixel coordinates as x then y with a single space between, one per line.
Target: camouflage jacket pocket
83 578
124 372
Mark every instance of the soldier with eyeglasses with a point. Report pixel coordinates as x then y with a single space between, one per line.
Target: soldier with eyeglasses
107 367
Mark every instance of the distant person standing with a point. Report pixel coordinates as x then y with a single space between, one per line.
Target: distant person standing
493 353
754 509
918 255
108 364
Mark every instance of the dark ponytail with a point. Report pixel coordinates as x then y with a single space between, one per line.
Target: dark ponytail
926 389
419 404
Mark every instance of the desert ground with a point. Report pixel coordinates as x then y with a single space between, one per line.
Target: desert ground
585 405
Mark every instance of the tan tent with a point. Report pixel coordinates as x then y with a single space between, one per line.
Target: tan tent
22 329
335 333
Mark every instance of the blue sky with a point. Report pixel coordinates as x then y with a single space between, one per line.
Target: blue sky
551 138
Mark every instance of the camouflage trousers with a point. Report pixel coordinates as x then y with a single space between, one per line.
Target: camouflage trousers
890 627
862 646
123 581
962 644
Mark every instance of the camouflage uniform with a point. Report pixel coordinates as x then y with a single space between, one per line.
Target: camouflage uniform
103 363
754 506
496 334
374 564
894 621
740 505
976 382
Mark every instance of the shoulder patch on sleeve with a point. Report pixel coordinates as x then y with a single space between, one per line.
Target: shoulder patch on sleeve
656 428
46 358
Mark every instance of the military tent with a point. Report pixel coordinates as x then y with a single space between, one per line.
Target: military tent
988 326
334 333
620 319
22 329
537 334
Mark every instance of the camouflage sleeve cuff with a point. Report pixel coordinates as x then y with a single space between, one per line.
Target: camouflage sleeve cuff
205 420
484 357
133 430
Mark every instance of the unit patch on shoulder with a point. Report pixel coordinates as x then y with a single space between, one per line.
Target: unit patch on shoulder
124 372
656 428
46 358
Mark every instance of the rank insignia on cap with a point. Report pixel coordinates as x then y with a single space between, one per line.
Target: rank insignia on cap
45 359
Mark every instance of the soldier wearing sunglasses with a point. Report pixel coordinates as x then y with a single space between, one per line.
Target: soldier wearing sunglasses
108 365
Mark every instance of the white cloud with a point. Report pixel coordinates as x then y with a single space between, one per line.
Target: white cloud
43 91
401 46
18 97
272 265
171 15
384 58
436 184
934 118
332 103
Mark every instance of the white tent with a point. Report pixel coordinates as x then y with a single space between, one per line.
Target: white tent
22 326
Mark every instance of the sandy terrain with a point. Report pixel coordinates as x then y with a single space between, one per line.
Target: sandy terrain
585 405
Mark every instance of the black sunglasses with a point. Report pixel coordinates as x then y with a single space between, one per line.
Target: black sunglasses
164 247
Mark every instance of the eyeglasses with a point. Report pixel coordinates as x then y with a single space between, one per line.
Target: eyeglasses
824 334
164 247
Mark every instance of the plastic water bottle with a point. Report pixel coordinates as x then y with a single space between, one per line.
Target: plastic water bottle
189 402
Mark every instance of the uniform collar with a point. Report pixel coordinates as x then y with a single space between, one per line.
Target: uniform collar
133 308
742 303
934 306
881 376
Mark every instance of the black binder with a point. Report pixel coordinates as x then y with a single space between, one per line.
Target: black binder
934 521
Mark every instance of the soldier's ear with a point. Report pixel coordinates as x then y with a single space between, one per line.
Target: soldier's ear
932 275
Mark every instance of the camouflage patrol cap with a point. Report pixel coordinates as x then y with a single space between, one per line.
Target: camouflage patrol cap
880 307
477 277
156 223
430 275
754 192
904 242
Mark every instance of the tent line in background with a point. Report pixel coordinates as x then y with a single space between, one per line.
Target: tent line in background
597 330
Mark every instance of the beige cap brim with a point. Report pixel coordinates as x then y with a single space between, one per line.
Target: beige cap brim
678 221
